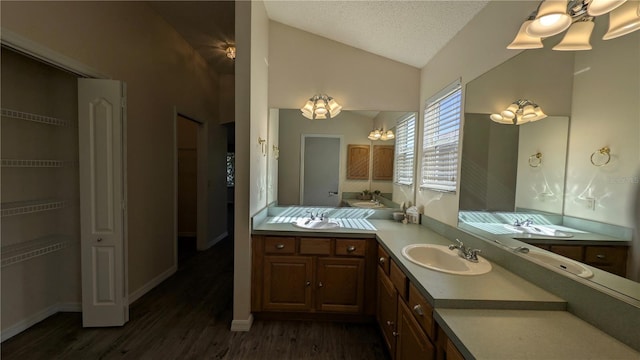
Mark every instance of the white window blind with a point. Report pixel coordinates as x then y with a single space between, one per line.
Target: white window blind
440 139
405 150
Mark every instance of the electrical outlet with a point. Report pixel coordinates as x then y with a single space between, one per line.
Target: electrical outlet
591 203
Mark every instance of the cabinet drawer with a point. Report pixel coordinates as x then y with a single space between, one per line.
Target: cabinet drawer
422 311
350 247
574 252
315 246
605 254
279 245
383 260
399 279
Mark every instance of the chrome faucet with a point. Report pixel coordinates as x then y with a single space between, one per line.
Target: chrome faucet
524 223
465 252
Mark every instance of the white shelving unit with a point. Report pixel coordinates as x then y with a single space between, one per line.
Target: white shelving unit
28 207
14 114
15 253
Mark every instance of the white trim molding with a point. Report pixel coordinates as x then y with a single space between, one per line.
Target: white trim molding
216 240
151 284
242 325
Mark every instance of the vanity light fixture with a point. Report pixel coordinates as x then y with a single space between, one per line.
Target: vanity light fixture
519 112
231 52
379 134
555 16
319 106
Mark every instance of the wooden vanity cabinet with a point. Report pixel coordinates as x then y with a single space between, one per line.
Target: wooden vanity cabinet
404 316
312 275
610 258
383 156
358 162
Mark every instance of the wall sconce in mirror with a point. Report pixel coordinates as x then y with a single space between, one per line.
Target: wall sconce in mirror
319 106
555 16
519 112
601 157
379 134
231 52
276 152
535 160
263 143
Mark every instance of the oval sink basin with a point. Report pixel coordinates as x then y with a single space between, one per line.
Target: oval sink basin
560 262
367 205
440 258
315 224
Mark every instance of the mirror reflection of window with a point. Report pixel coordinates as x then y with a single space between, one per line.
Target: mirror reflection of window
441 135
405 149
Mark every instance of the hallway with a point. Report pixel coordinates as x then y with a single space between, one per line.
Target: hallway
188 317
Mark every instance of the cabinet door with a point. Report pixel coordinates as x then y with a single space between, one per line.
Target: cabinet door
358 162
412 342
340 285
383 162
387 310
287 283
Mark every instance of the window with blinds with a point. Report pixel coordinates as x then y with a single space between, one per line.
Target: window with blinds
440 139
405 150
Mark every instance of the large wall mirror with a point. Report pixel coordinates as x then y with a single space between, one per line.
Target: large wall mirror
579 166
305 145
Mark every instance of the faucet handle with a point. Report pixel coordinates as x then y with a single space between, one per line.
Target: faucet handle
472 254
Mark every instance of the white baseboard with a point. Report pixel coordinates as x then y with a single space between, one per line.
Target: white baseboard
242 325
151 284
23 325
212 242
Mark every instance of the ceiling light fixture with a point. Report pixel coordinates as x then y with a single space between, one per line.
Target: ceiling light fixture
379 134
231 52
319 106
519 112
555 16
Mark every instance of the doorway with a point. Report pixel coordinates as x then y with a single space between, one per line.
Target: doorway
189 181
320 170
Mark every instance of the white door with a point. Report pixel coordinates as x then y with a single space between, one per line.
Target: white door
101 128
321 173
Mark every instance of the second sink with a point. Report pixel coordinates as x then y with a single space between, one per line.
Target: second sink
440 258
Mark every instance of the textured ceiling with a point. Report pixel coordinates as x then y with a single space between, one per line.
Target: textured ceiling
410 32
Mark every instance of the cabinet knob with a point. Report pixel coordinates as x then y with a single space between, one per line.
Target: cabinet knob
418 310
390 323
351 248
99 239
308 283
320 284
382 260
600 256
395 333
279 246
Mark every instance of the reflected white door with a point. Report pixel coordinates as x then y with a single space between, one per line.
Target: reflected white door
321 170
101 126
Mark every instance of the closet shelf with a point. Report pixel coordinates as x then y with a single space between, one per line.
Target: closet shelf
14 114
15 253
34 163
28 207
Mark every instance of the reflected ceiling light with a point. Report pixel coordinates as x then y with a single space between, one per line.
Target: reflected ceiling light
231 52
623 20
379 134
552 19
319 106
555 16
601 7
577 37
519 112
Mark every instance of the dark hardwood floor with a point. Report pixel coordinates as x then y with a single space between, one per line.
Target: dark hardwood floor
188 316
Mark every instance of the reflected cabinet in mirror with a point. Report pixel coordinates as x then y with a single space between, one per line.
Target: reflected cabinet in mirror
315 170
564 186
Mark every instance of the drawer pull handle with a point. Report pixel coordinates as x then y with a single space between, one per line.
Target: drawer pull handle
418 310
351 248
601 256
279 246
382 260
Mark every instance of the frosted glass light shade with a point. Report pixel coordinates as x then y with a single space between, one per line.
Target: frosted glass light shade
539 114
308 107
524 40
623 20
577 37
320 116
390 135
552 19
528 113
601 7
510 112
